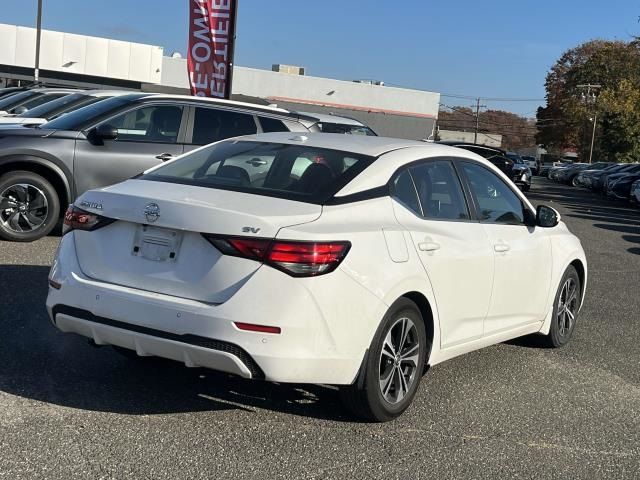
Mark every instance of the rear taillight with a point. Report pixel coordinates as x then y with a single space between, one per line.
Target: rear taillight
298 259
78 219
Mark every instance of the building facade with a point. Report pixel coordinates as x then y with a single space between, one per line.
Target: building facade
92 62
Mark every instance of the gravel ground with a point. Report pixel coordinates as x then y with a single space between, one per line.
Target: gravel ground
68 410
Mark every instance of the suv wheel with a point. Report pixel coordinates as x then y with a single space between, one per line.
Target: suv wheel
29 206
393 368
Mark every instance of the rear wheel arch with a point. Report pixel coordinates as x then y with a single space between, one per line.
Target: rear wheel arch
580 268
46 169
426 311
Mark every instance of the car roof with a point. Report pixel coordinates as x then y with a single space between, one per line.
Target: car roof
331 118
358 144
106 93
221 102
55 90
453 143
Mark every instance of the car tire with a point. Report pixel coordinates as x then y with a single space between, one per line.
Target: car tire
387 382
574 182
566 306
32 206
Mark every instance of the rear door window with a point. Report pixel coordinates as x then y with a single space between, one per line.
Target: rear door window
440 191
211 125
272 125
296 172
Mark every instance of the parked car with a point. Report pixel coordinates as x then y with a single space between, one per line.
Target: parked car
611 177
25 100
106 142
620 188
596 179
515 169
634 196
568 175
533 163
53 109
189 261
582 179
552 173
6 91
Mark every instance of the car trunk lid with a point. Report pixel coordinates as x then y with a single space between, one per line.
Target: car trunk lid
156 242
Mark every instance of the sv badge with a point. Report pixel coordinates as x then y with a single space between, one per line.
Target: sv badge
250 230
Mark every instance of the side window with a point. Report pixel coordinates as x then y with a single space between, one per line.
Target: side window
405 192
211 125
272 125
496 201
156 123
41 100
440 191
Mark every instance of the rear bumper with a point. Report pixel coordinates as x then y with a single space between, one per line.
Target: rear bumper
312 347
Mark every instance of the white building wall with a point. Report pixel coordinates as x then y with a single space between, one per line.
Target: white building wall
326 92
80 54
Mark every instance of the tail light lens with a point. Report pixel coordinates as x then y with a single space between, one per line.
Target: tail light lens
78 219
298 259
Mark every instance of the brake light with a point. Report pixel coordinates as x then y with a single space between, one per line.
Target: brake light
78 219
296 258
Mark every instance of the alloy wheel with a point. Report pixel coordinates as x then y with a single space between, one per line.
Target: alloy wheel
23 208
399 360
567 307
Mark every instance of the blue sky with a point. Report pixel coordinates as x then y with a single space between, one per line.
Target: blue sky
492 48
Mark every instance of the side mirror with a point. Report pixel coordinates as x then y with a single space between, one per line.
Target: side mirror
547 217
106 132
103 132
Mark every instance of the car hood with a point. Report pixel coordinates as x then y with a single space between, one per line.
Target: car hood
25 131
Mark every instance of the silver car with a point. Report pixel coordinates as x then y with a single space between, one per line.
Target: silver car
45 168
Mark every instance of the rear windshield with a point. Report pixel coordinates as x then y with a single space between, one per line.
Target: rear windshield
295 172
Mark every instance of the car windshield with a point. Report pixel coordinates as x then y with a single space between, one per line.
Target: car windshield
47 109
12 100
346 129
295 172
81 118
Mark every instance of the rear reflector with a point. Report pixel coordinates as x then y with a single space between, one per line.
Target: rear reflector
250 327
296 258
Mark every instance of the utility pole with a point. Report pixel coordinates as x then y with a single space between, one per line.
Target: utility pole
591 98
478 107
36 72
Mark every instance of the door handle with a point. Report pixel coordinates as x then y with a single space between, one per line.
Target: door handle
429 246
501 247
164 157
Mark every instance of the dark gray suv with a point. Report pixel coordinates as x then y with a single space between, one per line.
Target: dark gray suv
43 169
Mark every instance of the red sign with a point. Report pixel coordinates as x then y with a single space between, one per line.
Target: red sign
211 44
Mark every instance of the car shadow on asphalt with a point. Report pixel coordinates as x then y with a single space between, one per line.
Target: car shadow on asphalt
40 363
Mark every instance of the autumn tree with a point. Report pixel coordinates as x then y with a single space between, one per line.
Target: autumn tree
566 120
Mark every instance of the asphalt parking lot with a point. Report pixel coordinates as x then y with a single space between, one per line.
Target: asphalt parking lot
69 410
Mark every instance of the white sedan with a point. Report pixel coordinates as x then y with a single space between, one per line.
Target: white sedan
317 258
